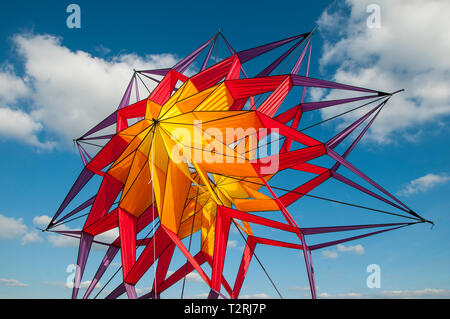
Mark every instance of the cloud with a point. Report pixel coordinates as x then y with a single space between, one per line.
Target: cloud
332 254
357 249
12 282
31 237
83 285
42 221
11 228
407 51
66 92
424 183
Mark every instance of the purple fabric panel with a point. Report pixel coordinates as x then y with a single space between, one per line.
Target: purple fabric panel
349 182
110 120
136 89
230 48
68 232
81 181
131 291
109 256
299 80
119 290
277 62
249 54
187 61
299 61
332 229
352 168
205 63
308 267
311 106
87 203
336 242
83 253
335 141
83 158
126 96
161 72
307 73
353 145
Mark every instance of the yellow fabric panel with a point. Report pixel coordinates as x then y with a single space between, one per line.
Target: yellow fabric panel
140 195
256 205
254 193
208 228
152 110
233 188
248 229
159 185
186 227
139 161
175 194
191 102
218 100
231 169
136 128
205 180
133 145
169 105
121 169
158 154
189 89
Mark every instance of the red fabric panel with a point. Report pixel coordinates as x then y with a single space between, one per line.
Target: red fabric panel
107 222
165 88
148 256
288 142
108 154
247 87
223 222
233 213
163 267
245 263
127 229
270 106
287 131
212 75
187 254
107 193
291 197
186 269
309 168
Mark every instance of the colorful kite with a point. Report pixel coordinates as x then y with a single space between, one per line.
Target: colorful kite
192 158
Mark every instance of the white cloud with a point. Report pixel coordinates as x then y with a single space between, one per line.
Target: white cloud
12 282
330 254
11 228
67 91
408 51
31 237
333 254
42 221
424 183
357 249
83 285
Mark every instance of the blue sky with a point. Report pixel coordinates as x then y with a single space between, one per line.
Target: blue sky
56 82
